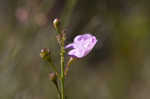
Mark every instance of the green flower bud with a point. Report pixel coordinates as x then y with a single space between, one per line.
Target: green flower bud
56 24
45 54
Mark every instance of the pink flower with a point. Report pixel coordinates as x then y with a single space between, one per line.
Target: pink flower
82 45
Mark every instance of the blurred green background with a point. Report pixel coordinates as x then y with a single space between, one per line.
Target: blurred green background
117 68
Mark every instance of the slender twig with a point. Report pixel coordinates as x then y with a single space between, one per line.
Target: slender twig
67 69
68 65
53 78
58 90
54 68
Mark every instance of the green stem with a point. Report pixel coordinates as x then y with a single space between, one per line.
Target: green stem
59 93
68 65
54 68
56 85
62 52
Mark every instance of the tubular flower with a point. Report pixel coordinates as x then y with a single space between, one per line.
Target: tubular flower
82 45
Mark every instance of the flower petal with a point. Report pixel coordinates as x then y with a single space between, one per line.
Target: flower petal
71 45
76 53
77 38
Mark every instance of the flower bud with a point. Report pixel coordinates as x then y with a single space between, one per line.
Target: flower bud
52 76
45 54
56 24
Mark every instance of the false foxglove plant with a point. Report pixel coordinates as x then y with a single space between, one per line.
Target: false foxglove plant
81 47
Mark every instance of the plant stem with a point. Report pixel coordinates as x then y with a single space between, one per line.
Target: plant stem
53 67
59 93
62 52
68 65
